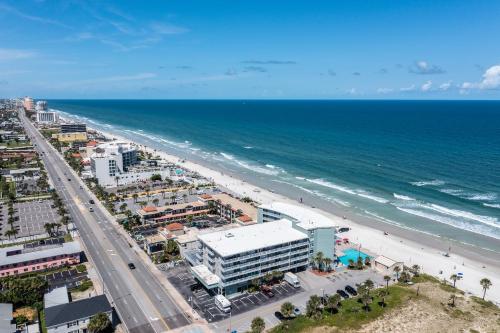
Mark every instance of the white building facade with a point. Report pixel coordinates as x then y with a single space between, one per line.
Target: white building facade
240 255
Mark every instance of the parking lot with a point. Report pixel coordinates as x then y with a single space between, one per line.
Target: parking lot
70 278
203 302
30 218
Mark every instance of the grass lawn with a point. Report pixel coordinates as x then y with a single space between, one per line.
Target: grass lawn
351 314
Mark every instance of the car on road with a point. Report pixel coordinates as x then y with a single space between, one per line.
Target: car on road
342 293
297 311
131 265
351 290
91 209
69 179
91 202
279 316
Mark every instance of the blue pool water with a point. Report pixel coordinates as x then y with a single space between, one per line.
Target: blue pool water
352 254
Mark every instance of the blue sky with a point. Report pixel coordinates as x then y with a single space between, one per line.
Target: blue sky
250 49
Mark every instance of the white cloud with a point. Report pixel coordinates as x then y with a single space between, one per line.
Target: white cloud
426 86
491 80
445 86
384 90
423 67
14 54
406 89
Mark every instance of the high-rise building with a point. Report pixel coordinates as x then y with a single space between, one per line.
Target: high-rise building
41 106
73 128
28 103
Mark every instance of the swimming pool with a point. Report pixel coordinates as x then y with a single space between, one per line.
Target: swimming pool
352 254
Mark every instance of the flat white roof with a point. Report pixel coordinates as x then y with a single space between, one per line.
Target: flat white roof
307 217
203 273
7 256
55 297
252 237
387 262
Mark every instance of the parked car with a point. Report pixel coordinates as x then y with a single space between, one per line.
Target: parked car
342 293
91 209
131 265
279 315
297 311
91 202
351 290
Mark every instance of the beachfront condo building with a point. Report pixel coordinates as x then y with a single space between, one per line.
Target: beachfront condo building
46 117
73 128
320 229
229 260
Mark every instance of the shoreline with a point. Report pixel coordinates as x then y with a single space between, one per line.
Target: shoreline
404 244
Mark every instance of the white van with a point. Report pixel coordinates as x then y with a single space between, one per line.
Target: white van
292 279
222 303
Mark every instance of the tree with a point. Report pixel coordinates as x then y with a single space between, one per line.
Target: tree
258 325
366 300
451 301
156 201
328 263
287 309
486 284
405 276
268 277
454 278
11 232
369 285
48 228
396 270
367 261
99 323
184 196
387 279
172 197
142 204
313 307
415 269
319 258
350 263
382 293
156 177
332 303
123 207
135 196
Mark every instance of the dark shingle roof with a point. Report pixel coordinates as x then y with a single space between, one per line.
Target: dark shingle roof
84 308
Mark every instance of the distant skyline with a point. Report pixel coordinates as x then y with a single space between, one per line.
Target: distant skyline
250 49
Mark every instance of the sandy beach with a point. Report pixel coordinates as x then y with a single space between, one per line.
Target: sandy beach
401 244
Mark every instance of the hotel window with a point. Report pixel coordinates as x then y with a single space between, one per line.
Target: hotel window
74 323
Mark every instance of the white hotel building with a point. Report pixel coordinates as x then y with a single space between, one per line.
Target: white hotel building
231 259
320 229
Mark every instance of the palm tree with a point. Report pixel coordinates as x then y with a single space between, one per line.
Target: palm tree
328 263
369 285
366 300
332 303
172 197
415 269
65 221
382 293
123 207
48 228
184 196
9 233
313 307
454 278
387 279
156 201
451 302
396 270
135 196
405 276
142 204
258 325
319 258
350 263
486 284
287 309
268 277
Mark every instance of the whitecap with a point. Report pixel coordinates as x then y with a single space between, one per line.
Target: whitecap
402 197
491 205
435 182
359 193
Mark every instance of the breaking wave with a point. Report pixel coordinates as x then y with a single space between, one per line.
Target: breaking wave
435 182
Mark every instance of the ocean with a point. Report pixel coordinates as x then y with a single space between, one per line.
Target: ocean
431 166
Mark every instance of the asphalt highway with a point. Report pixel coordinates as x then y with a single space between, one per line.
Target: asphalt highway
141 301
